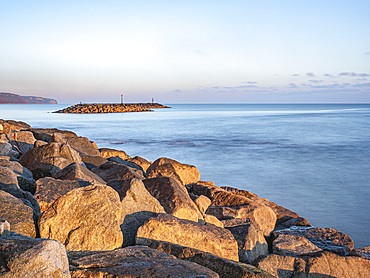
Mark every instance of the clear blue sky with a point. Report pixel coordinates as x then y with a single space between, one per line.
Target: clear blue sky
186 51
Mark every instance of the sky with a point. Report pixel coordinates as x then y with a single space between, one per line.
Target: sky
187 51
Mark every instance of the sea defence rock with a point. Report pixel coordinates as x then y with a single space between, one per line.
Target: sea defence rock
184 173
293 245
128 163
325 238
142 162
24 176
208 238
13 126
83 146
320 264
19 215
110 108
173 198
107 153
22 141
94 223
113 171
46 160
22 256
136 261
47 134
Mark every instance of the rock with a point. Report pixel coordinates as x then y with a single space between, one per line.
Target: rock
49 189
361 252
24 176
22 256
287 222
325 238
79 173
202 203
136 261
208 238
142 162
262 217
19 215
210 219
6 149
321 264
23 141
83 146
46 134
39 143
187 174
251 242
13 126
128 163
173 198
240 192
106 153
116 171
224 267
45 161
94 223
292 245
93 161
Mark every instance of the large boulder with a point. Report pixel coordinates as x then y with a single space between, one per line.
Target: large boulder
173 198
142 162
106 153
320 264
202 203
224 267
86 218
208 238
83 146
116 171
79 173
128 163
325 238
46 134
293 245
19 215
46 160
13 126
22 256
93 161
24 176
48 190
166 167
136 261
263 217
6 149
251 241
22 141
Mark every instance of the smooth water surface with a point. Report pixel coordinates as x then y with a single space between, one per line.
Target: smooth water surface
311 158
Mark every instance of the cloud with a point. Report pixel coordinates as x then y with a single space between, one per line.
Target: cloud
296 74
328 75
311 74
315 81
354 74
292 85
250 82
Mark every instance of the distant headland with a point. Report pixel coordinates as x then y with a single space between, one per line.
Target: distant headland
90 108
10 98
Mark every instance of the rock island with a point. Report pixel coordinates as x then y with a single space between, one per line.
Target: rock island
71 209
87 108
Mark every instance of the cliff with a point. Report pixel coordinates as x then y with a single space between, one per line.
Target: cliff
10 98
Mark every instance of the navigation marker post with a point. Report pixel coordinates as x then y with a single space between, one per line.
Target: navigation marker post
122 99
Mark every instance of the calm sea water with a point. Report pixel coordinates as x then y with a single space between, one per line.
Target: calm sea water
311 158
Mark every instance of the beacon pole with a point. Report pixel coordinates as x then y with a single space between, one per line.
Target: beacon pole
121 99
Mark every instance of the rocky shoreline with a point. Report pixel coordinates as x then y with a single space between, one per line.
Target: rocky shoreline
92 108
70 209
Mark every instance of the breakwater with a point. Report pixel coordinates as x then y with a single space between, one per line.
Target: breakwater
89 108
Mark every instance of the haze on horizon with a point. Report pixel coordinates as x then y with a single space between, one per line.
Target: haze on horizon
186 51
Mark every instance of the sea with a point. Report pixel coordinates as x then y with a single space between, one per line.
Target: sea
311 158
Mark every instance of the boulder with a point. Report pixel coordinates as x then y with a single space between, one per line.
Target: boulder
293 245
93 161
202 203
83 146
320 264
24 176
6 149
208 238
106 153
251 242
173 198
210 219
49 189
287 222
113 171
186 174
78 173
19 215
13 126
39 143
23 141
363 252
45 161
325 238
46 134
86 218
128 163
136 261
142 162
224 267
240 192
262 217
21 256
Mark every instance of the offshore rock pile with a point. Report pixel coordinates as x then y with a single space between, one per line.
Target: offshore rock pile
87 108
69 209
